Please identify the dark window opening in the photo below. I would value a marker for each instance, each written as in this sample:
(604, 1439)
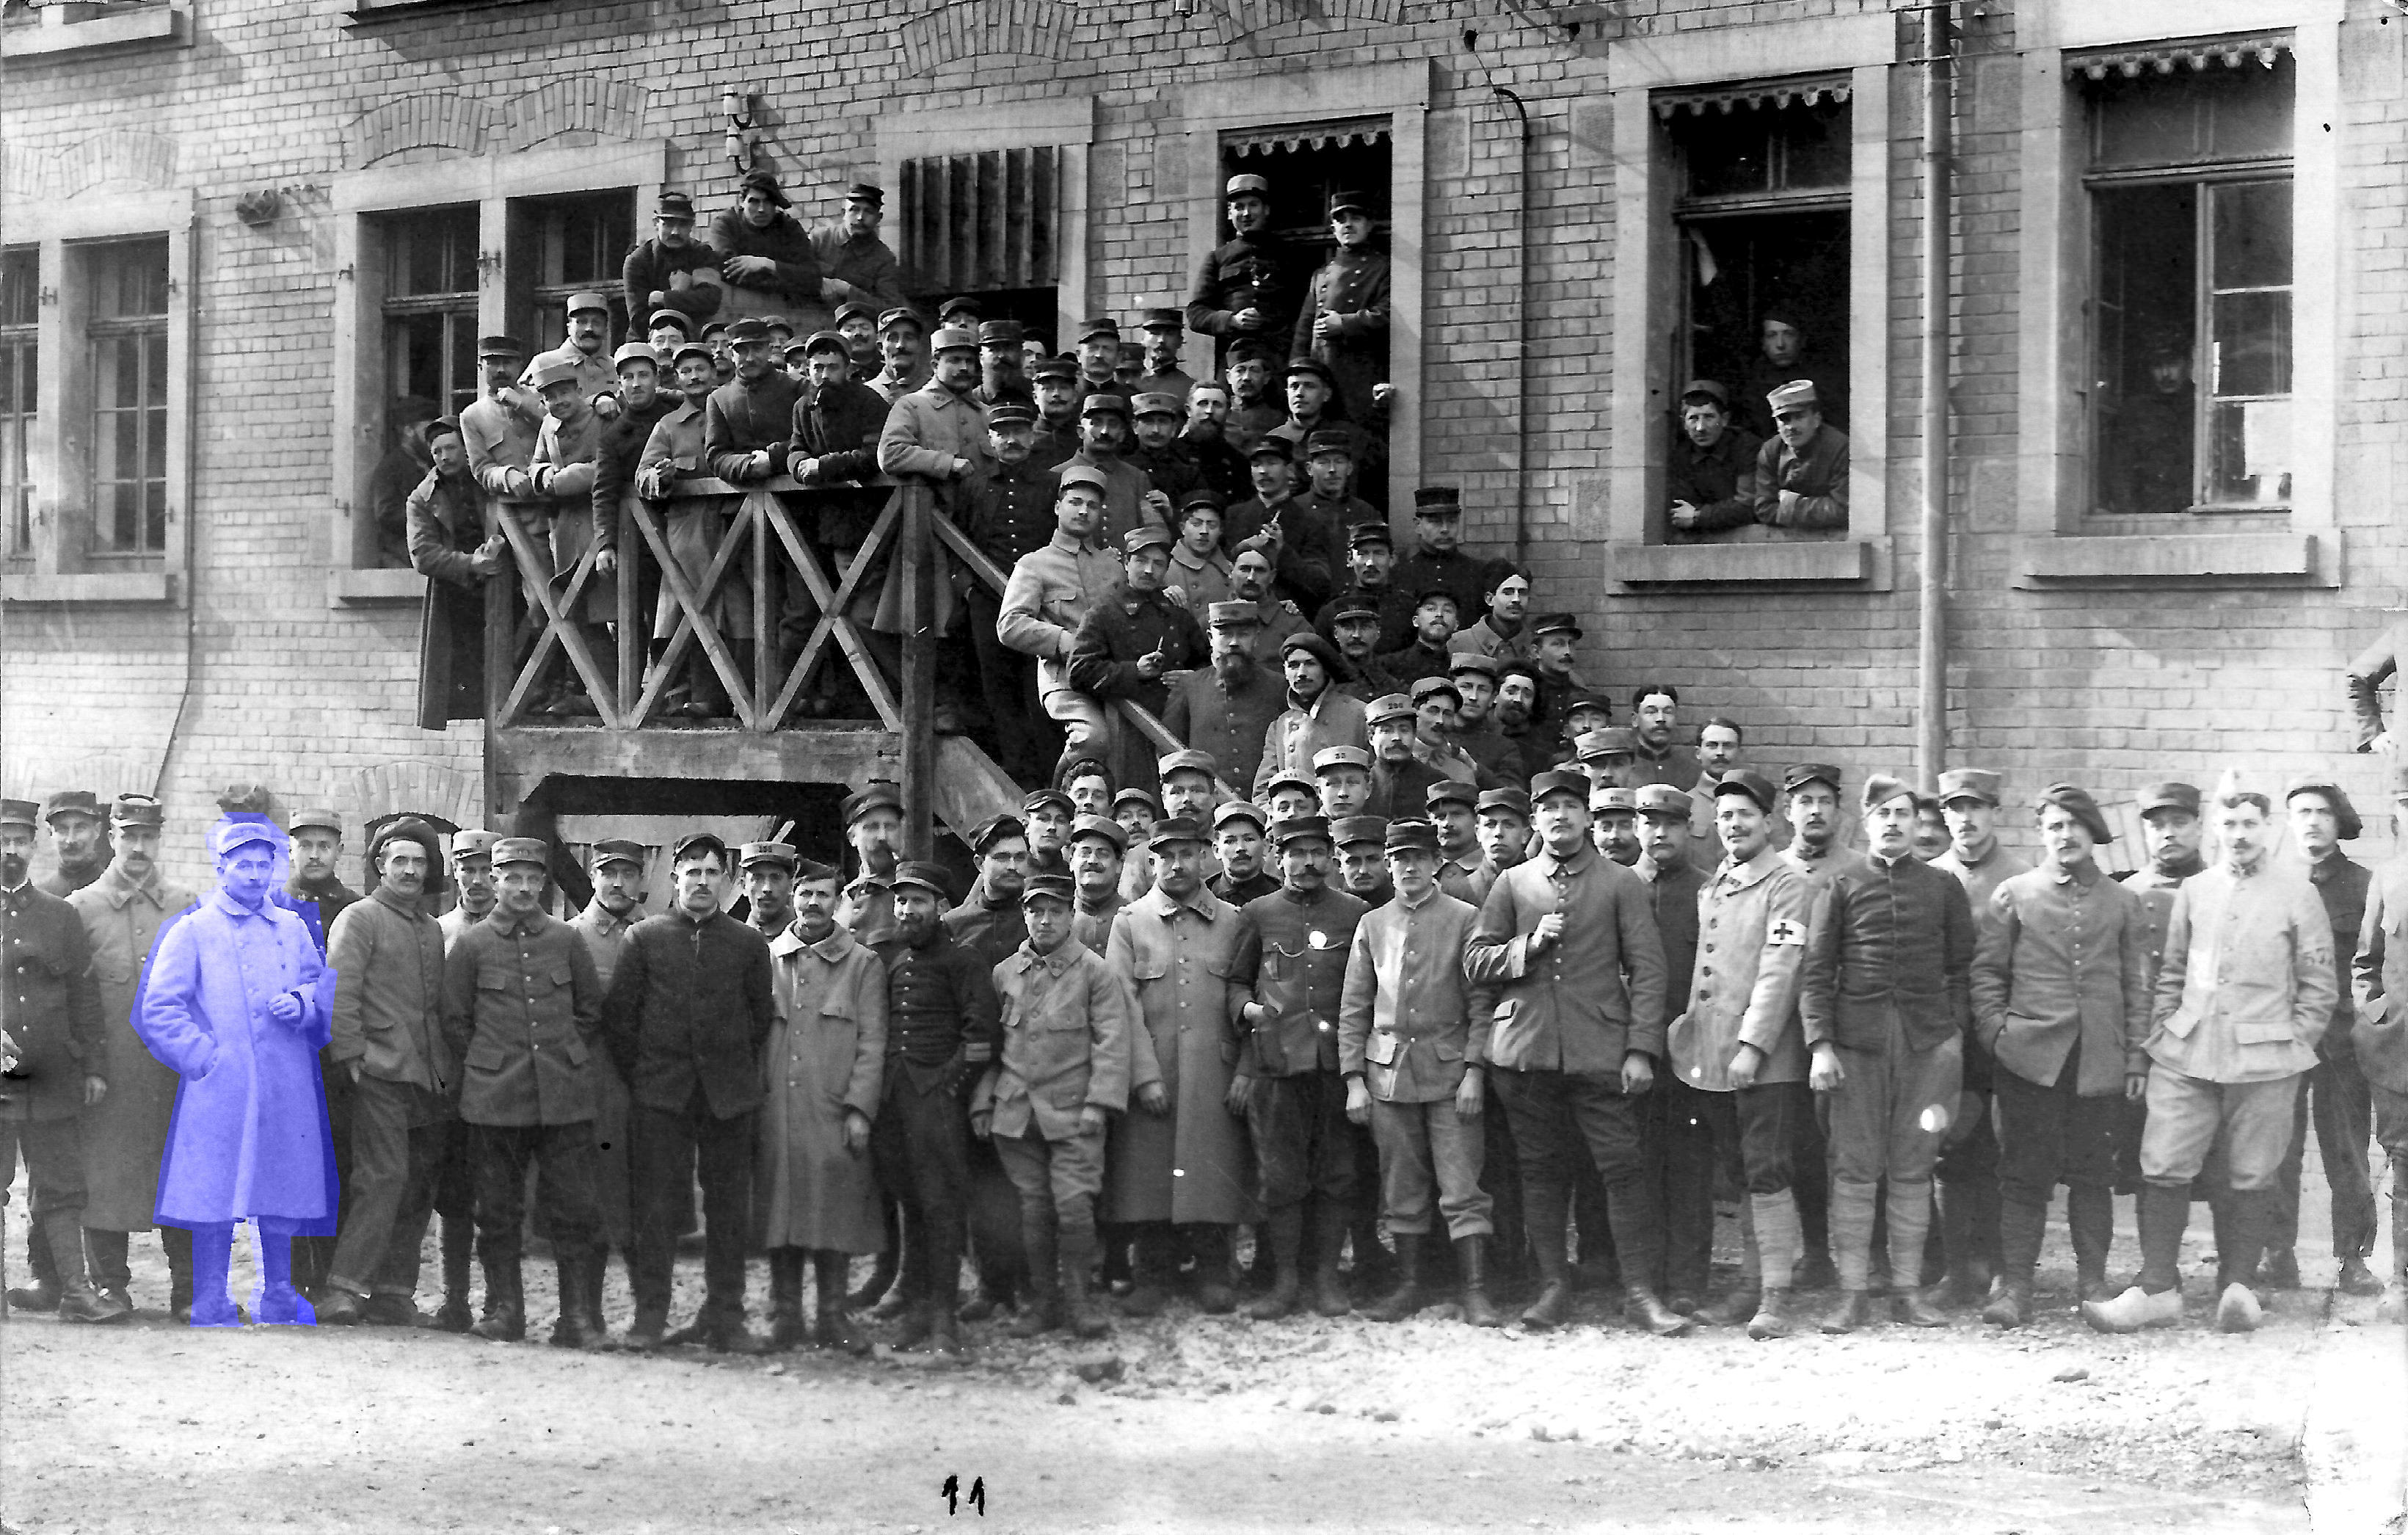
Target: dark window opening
(430, 307)
(984, 226)
(19, 390)
(564, 246)
(126, 331)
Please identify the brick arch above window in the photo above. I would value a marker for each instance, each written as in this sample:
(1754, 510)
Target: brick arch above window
(427, 118)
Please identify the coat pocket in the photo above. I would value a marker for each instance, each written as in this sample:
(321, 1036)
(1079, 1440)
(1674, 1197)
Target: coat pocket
(2264, 1031)
(487, 1053)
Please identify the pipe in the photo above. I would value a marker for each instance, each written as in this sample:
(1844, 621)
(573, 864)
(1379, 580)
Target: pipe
(1521, 341)
(1932, 614)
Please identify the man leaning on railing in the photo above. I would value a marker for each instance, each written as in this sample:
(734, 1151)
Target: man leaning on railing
(691, 527)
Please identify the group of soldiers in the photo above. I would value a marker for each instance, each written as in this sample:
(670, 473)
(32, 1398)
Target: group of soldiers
(1167, 1014)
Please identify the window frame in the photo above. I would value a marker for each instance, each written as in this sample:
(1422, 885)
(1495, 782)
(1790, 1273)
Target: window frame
(54, 31)
(16, 481)
(65, 566)
(2059, 541)
(100, 330)
(501, 186)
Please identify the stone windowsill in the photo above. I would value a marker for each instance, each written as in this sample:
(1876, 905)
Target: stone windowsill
(153, 586)
(1859, 562)
(374, 588)
(376, 10)
(53, 30)
(2178, 557)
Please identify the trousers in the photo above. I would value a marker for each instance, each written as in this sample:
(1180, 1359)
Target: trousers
(1425, 1149)
(920, 1143)
(1303, 1141)
(669, 1149)
(2335, 1099)
(397, 1134)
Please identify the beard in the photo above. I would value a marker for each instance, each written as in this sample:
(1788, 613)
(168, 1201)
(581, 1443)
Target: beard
(1229, 666)
(12, 868)
(1512, 716)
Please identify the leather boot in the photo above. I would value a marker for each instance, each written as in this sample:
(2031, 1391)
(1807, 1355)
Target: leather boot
(2011, 1302)
(1643, 1308)
(880, 1285)
(2090, 1218)
(1471, 1262)
(1214, 1295)
(1328, 1229)
(459, 1237)
(505, 1318)
(1080, 1313)
(1374, 1271)
(1855, 1310)
(212, 1257)
(944, 1332)
(573, 1329)
(78, 1300)
(1284, 1229)
(1041, 1308)
(1735, 1309)
(279, 1304)
(2021, 1228)
(1772, 1318)
(836, 1329)
(176, 1243)
(1406, 1298)
(1543, 1213)
(589, 1296)
(44, 1293)
(786, 1325)
(1909, 1207)
(1149, 1272)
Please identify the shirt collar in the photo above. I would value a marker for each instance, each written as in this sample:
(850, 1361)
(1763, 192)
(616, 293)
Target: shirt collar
(2329, 868)
(405, 905)
(1579, 863)
(1064, 954)
(1755, 871)
(1203, 903)
(2086, 877)
(227, 906)
(509, 926)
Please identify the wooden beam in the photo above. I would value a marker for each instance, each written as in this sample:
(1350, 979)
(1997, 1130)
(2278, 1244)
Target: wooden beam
(919, 672)
(806, 754)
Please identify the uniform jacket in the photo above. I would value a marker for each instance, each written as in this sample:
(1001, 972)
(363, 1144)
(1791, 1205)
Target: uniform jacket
(1467, 878)
(1353, 282)
(690, 1009)
(866, 263)
(2059, 961)
(1120, 629)
(1310, 562)
(1301, 977)
(1582, 1002)
(1202, 579)
(677, 439)
(836, 426)
(1677, 766)
(990, 930)
(2247, 985)
(387, 957)
(522, 1002)
(1251, 272)
(564, 473)
(792, 284)
(1408, 1022)
(1751, 927)
(1672, 895)
(1171, 469)
(2341, 882)
(125, 1132)
(1091, 923)
(1066, 1027)
(396, 474)
(499, 432)
(1249, 423)
(930, 428)
(249, 1135)
(745, 416)
(1415, 659)
(1277, 620)
(2157, 891)
(619, 448)
(1008, 512)
(1048, 596)
(1481, 638)
(1458, 572)
(1719, 481)
(2379, 972)
(1227, 721)
(1219, 465)
(446, 524)
(1399, 791)
(648, 269)
(1890, 943)
(1125, 488)
(51, 1006)
(940, 1002)
(826, 1055)
(595, 376)
(1820, 475)
(1368, 437)
(1332, 719)
(1982, 877)
(1392, 603)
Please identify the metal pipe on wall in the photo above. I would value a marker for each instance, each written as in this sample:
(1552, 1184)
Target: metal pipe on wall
(1931, 606)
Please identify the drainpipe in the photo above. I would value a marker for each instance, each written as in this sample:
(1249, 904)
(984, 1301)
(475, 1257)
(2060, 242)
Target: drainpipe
(1932, 615)
(1521, 341)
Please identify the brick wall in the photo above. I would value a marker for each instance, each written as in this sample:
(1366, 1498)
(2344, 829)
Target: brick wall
(263, 679)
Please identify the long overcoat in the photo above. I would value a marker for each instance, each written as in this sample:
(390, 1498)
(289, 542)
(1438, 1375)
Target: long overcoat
(125, 1132)
(827, 1053)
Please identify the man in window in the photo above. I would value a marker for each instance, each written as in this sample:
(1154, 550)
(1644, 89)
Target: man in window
(764, 254)
(1248, 286)
(1711, 473)
(588, 351)
(1782, 356)
(2150, 469)
(1802, 472)
(1343, 322)
(396, 474)
(855, 265)
(672, 270)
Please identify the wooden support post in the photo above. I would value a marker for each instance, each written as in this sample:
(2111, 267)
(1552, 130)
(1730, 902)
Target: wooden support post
(501, 650)
(765, 623)
(634, 628)
(919, 673)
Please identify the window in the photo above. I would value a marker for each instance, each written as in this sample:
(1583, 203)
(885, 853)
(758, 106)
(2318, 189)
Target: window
(126, 331)
(983, 225)
(20, 384)
(2189, 182)
(430, 306)
(569, 246)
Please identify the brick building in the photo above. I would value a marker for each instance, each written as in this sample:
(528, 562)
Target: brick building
(284, 220)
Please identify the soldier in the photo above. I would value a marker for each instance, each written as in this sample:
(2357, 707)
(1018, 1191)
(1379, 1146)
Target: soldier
(1658, 760)
(686, 1016)
(2378, 1036)
(1718, 753)
(1475, 734)
(1813, 807)
(1781, 358)
(1462, 869)
(643, 402)
(1401, 775)
(1710, 476)
(1049, 593)
(1133, 642)
(1252, 581)
(1343, 777)
(1885, 1005)
(1517, 717)
(1330, 467)
(2061, 989)
(1426, 654)
(1167, 466)
(1504, 830)
(1200, 571)
(79, 841)
(825, 1064)
(672, 272)
(857, 266)
(1362, 844)
(1248, 287)
(1055, 384)
(1098, 353)
(448, 545)
(766, 255)
(455, 1178)
(903, 346)
(1191, 958)
(1238, 833)
(1009, 515)
(1098, 848)
(1680, 1171)
(562, 472)
(1002, 366)
(616, 867)
(399, 1075)
(2244, 990)
(1412, 1049)
(1063, 1066)
(940, 1035)
(1343, 323)
(988, 922)
(1255, 410)
(1162, 376)
(1503, 634)
(1614, 823)
(1356, 629)
(587, 349)
(1225, 709)
(1317, 716)
(122, 914)
(1130, 498)
(318, 896)
(58, 1047)
(500, 428)
(1438, 562)
(1739, 1057)
(857, 323)
(1568, 940)
(1311, 391)
(1802, 472)
(1220, 463)
(1049, 815)
(1370, 562)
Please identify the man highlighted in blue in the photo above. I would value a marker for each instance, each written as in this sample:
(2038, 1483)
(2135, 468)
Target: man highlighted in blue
(239, 1004)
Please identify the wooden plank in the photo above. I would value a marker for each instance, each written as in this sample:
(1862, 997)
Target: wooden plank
(557, 629)
(811, 753)
(765, 626)
(693, 625)
(967, 552)
(970, 788)
(832, 622)
(918, 674)
(633, 626)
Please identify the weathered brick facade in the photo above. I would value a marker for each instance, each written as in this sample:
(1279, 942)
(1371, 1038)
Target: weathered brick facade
(258, 666)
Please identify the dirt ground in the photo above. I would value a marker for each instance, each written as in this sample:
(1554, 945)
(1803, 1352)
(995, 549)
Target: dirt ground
(1187, 1422)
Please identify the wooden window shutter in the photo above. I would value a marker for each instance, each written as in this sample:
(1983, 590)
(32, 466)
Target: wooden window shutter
(981, 223)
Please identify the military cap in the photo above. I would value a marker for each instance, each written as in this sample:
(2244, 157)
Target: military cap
(522, 850)
(1664, 800)
(1354, 612)
(994, 829)
(1000, 333)
(1547, 624)
(471, 843)
(1232, 615)
(1081, 474)
(1138, 797)
(1508, 802)
(683, 320)
(1098, 324)
(673, 204)
(1370, 533)
(963, 305)
(636, 352)
(2085, 809)
(1311, 366)
(1145, 536)
(1240, 810)
(1391, 706)
(1189, 761)
(1353, 831)
(1340, 201)
(713, 330)
(1611, 741)
(1330, 757)
(1239, 186)
(1299, 827)
(1436, 501)
(765, 182)
(240, 830)
(795, 352)
(588, 303)
(72, 802)
(1557, 780)
(2169, 796)
(1708, 388)
(862, 192)
(323, 820)
(1253, 349)
(1179, 828)
(1881, 788)
(1798, 393)
(1055, 367)
(854, 308)
(614, 850)
(1293, 778)
(1163, 320)
(1968, 783)
(1103, 402)
(693, 349)
(554, 373)
(18, 813)
(752, 327)
(2347, 826)
(1747, 782)
(902, 314)
(1412, 837)
(1463, 661)
(500, 346)
(954, 338)
(1804, 773)
(1424, 686)
(1103, 826)
(1614, 799)
(767, 853)
(878, 795)
(136, 811)
(1328, 440)
(1203, 496)
(1037, 799)
(917, 874)
(1314, 645)
(826, 340)
(1452, 792)
(442, 426)
(1048, 887)
(697, 843)
(1158, 405)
